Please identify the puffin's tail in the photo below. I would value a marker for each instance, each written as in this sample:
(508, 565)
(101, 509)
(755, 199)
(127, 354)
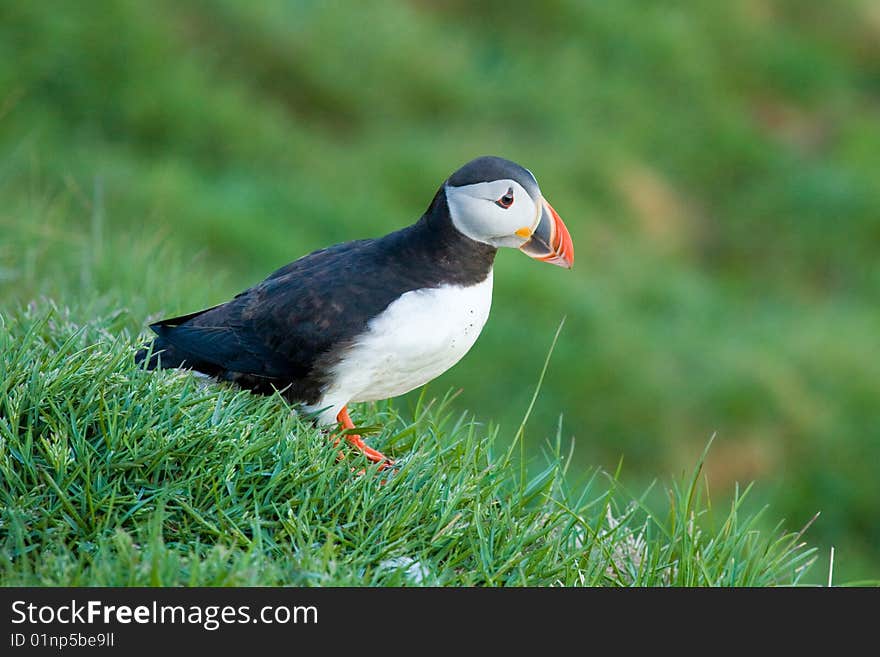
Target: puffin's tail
(162, 352)
(159, 354)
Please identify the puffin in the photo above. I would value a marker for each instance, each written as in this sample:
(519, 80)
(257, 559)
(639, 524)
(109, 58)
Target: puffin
(374, 318)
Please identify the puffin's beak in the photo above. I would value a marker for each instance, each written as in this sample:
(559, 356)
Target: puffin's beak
(550, 240)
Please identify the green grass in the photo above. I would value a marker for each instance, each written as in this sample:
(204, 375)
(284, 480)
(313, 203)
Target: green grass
(112, 475)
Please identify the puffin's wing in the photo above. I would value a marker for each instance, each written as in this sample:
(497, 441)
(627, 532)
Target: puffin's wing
(230, 347)
(279, 328)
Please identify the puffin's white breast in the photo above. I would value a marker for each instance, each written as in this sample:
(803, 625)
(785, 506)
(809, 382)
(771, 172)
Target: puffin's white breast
(415, 339)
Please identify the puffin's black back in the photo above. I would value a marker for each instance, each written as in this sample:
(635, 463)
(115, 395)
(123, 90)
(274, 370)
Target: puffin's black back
(285, 332)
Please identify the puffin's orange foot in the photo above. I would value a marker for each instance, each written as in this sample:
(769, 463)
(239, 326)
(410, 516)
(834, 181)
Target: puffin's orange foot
(373, 455)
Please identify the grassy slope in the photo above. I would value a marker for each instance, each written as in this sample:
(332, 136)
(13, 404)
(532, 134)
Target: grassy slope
(717, 167)
(112, 476)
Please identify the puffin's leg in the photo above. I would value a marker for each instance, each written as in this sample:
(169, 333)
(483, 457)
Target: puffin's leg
(372, 454)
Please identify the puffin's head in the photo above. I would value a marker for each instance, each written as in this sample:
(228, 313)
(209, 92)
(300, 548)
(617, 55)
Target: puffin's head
(498, 202)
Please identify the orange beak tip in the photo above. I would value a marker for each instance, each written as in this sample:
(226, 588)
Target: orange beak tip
(564, 247)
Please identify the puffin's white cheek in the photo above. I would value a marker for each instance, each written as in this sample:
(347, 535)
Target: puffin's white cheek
(513, 226)
(475, 212)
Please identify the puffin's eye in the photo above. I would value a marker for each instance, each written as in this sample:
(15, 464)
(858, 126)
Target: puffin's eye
(507, 200)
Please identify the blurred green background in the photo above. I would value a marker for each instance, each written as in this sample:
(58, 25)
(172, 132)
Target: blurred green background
(717, 163)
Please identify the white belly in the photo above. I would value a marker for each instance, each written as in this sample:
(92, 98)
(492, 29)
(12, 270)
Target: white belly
(417, 338)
